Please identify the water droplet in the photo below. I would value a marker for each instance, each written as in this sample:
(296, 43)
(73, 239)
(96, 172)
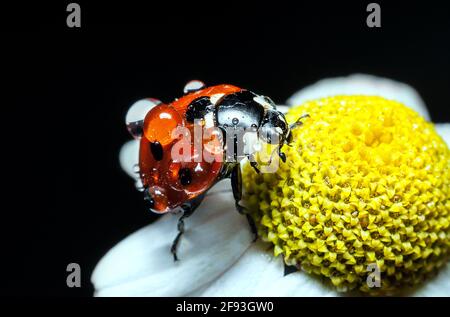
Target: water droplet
(198, 168)
(157, 196)
(193, 85)
(160, 122)
(139, 186)
(136, 114)
(235, 121)
(257, 146)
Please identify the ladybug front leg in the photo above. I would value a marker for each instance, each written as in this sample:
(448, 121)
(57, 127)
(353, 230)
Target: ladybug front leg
(188, 209)
(236, 185)
(281, 154)
(253, 163)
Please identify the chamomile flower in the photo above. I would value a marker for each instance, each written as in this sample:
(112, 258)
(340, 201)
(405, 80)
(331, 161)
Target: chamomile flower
(324, 229)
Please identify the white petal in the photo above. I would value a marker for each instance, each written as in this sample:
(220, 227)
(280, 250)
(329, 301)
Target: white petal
(259, 273)
(437, 286)
(142, 265)
(129, 157)
(361, 84)
(444, 131)
(283, 108)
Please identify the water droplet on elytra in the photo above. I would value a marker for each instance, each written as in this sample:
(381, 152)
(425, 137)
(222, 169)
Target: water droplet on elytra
(135, 116)
(139, 186)
(193, 85)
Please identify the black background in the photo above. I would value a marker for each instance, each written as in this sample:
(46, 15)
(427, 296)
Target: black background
(65, 198)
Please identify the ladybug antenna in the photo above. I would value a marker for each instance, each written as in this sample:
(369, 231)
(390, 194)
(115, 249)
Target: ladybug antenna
(299, 122)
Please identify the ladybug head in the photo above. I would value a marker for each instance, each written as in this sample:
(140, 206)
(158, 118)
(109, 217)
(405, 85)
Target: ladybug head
(274, 128)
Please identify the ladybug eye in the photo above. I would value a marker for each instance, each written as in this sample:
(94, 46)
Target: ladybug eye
(136, 114)
(159, 124)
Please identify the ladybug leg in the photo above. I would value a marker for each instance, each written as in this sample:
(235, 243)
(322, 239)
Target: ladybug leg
(180, 227)
(188, 209)
(253, 163)
(282, 155)
(236, 184)
(288, 269)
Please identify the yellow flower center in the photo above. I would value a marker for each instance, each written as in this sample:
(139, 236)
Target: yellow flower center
(366, 182)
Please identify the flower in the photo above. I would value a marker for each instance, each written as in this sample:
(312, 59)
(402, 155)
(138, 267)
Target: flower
(217, 256)
(367, 182)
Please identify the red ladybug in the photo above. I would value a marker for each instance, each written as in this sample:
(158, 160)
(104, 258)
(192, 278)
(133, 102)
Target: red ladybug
(190, 144)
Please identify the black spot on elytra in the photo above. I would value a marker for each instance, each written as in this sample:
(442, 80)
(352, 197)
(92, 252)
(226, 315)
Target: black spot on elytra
(185, 176)
(198, 108)
(157, 150)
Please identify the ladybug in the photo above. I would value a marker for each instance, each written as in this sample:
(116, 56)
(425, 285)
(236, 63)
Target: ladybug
(190, 144)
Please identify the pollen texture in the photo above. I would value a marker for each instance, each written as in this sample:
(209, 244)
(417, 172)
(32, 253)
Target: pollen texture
(366, 187)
